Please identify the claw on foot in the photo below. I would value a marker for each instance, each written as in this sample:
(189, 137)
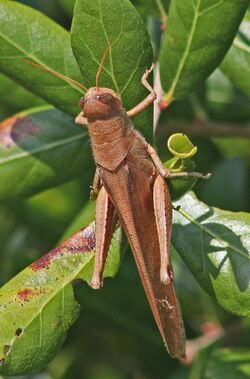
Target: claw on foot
(147, 72)
(165, 278)
(206, 176)
(96, 282)
(93, 193)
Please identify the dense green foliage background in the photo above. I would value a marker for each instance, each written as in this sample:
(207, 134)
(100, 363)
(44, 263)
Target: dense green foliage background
(46, 169)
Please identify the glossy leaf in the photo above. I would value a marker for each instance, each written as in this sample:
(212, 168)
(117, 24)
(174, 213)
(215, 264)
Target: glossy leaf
(38, 305)
(39, 150)
(27, 33)
(95, 25)
(236, 64)
(198, 35)
(215, 245)
(15, 98)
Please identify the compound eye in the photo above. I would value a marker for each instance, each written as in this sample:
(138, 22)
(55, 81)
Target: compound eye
(82, 102)
(108, 97)
(105, 98)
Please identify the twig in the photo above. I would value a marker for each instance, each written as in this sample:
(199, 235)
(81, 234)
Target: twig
(159, 92)
(207, 129)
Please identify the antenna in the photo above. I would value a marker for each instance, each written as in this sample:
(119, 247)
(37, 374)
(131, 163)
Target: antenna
(54, 73)
(105, 55)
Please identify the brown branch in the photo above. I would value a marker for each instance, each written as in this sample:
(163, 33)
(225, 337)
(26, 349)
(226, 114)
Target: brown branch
(207, 129)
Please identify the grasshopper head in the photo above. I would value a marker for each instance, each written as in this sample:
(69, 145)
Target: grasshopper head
(99, 103)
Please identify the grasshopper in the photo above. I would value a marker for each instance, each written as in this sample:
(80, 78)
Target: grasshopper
(130, 184)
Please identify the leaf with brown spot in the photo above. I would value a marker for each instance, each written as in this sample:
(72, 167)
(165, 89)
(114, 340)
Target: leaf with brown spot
(41, 296)
(35, 146)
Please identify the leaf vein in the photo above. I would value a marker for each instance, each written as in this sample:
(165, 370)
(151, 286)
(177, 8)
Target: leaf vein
(132, 75)
(41, 149)
(184, 57)
(31, 56)
(212, 7)
(110, 53)
(212, 234)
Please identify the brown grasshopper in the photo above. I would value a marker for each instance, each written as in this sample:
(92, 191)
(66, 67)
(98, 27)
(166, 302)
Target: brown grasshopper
(131, 188)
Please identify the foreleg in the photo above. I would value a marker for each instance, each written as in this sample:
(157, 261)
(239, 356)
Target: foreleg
(96, 186)
(81, 120)
(149, 99)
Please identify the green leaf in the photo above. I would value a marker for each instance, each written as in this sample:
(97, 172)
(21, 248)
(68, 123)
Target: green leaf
(38, 305)
(182, 149)
(27, 33)
(199, 33)
(95, 25)
(181, 146)
(17, 99)
(228, 364)
(39, 150)
(236, 64)
(215, 245)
